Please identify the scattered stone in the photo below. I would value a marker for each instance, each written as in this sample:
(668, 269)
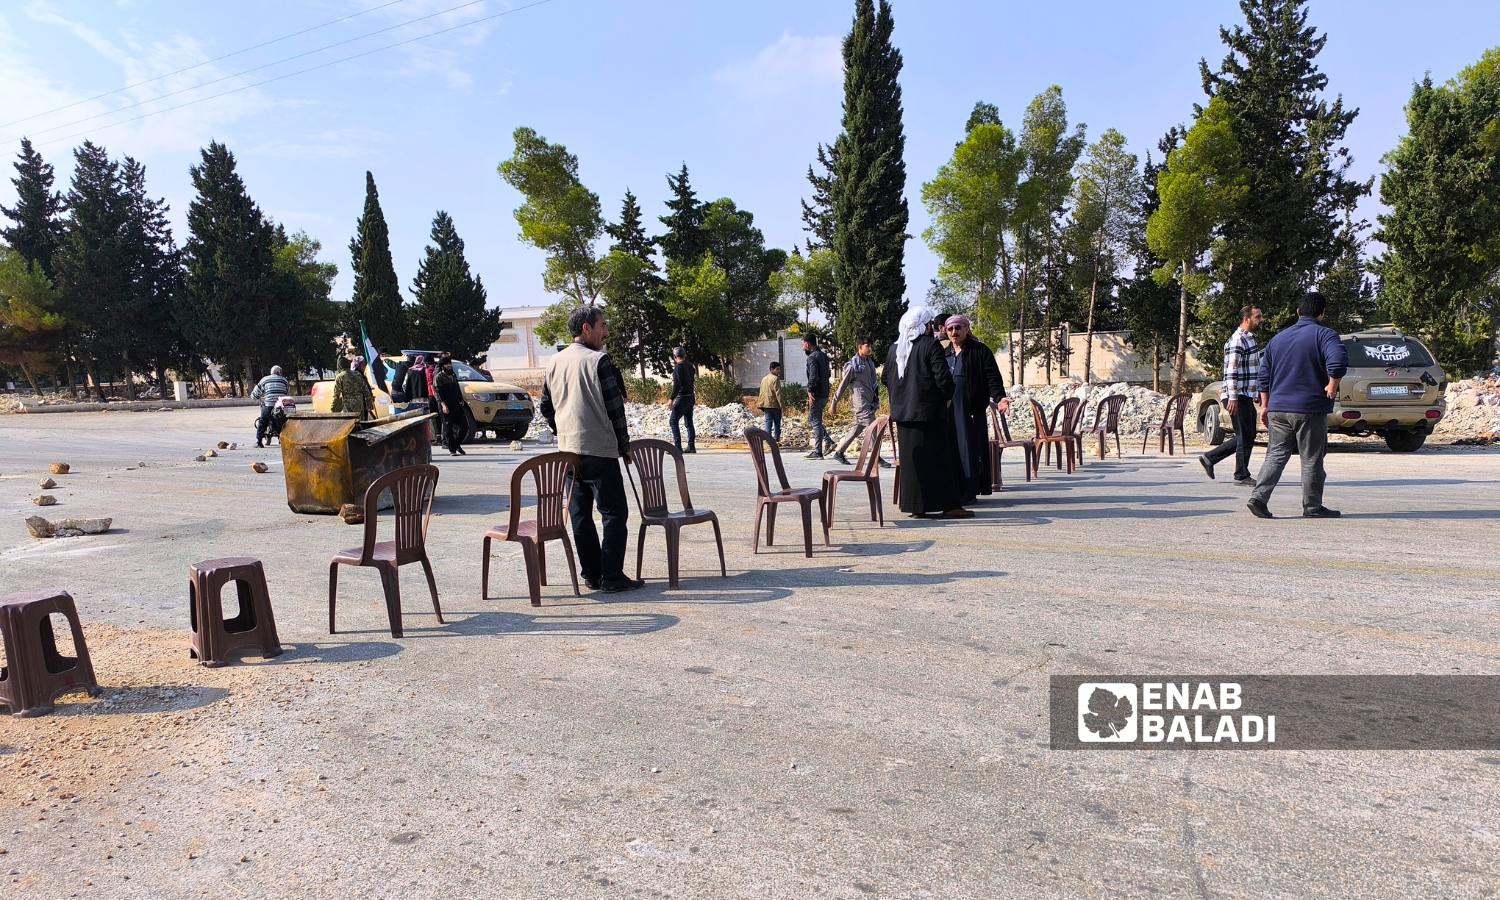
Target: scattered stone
(222, 445)
(352, 514)
(41, 528)
(47, 484)
(260, 467)
(140, 465)
(44, 500)
(59, 468)
(200, 458)
(515, 445)
(210, 452)
(233, 446)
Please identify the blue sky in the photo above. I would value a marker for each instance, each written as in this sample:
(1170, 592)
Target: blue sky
(741, 92)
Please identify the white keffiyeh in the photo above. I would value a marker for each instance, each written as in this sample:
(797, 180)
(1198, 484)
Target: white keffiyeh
(913, 325)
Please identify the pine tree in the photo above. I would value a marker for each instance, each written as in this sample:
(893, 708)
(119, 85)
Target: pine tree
(817, 215)
(94, 272)
(230, 260)
(869, 202)
(37, 216)
(683, 240)
(450, 313)
(1285, 235)
(640, 329)
(376, 300)
(157, 322)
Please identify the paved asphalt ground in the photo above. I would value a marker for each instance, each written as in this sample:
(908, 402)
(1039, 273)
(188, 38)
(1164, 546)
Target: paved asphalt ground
(870, 722)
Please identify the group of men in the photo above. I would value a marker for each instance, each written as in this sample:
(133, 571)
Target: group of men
(1294, 382)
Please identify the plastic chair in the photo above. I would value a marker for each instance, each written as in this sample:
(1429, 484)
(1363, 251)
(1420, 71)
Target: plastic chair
(648, 457)
(1000, 441)
(1045, 437)
(412, 489)
(1169, 427)
(1107, 422)
(552, 475)
(767, 498)
(866, 469)
(1067, 420)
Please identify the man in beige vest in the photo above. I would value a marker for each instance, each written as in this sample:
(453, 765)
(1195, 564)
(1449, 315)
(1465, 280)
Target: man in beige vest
(583, 400)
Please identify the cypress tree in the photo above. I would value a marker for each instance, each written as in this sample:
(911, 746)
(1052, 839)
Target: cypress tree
(1286, 234)
(869, 203)
(450, 313)
(230, 259)
(684, 241)
(377, 293)
(37, 216)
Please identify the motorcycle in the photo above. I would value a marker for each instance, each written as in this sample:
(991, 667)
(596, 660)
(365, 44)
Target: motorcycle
(279, 412)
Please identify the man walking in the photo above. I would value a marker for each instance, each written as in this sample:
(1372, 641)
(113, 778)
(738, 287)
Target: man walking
(270, 389)
(682, 399)
(1299, 378)
(770, 401)
(1241, 369)
(583, 400)
(858, 380)
(817, 395)
(450, 398)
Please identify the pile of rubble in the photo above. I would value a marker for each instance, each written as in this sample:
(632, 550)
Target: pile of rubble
(1142, 405)
(711, 424)
(1473, 414)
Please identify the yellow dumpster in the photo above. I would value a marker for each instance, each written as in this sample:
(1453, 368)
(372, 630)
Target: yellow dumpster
(331, 458)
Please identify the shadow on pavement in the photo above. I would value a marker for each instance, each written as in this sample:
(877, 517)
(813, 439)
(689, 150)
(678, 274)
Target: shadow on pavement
(331, 652)
(566, 625)
(139, 700)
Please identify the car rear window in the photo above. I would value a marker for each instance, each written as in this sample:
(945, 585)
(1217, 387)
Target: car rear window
(1375, 352)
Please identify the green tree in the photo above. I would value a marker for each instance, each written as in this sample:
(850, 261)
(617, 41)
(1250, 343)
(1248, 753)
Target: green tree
(37, 217)
(560, 217)
(639, 326)
(806, 280)
(817, 216)
(1200, 189)
(869, 202)
(1285, 234)
(1350, 292)
(94, 266)
(1104, 206)
(29, 321)
(451, 311)
(158, 322)
(230, 259)
(307, 318)
(973, 203)
(1440, 272)
(1051, 152)
(1149, 308)
(754, 309)
(376, 299)
(683, 239)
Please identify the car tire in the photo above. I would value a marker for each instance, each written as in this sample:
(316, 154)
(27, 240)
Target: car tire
(1405, 441)
(1209, 425)
(473, 423)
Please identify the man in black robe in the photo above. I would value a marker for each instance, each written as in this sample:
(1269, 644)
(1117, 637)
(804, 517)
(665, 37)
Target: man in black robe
(920, 386)
(976, 385)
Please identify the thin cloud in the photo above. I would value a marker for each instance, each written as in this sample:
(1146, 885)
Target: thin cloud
(790, 65)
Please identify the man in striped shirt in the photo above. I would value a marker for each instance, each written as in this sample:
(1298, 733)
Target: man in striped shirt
(1241, 364)
(270, 389)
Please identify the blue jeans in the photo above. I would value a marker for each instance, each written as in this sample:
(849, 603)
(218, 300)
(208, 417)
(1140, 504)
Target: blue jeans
(818, 435)
(773, 423)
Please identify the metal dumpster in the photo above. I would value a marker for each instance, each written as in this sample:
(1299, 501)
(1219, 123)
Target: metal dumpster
(331, 458)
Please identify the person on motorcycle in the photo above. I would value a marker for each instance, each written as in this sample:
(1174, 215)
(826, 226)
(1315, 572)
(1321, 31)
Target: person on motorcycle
(270, 389)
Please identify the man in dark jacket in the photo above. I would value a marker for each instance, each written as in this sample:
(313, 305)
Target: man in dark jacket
(450, 397)
(817, 395)
(1299, 378)
(682, 399)
(976, 385)
(920, 386)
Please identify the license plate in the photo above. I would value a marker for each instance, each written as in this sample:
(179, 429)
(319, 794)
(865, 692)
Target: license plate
(516, 404)
(1389, 390)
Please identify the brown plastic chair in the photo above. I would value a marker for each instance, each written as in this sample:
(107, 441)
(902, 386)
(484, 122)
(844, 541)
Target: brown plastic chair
(866, 469)
(648, 457)
(412, 489)
(216, 639)
(896, 461)
(35, 673)
(1000, 441)
(1169, 427)
(552, 476)
(1067, 420)
(1107, 422)
(767, 498)
(1046, 438)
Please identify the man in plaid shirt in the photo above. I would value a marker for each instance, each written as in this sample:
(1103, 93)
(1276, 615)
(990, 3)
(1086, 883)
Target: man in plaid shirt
(1241, 363)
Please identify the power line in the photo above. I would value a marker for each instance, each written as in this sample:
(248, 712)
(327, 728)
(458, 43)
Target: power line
(285, 37)
(286, 75)
(258, 68)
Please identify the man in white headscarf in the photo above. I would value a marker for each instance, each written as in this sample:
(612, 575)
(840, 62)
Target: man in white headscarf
(920, 386)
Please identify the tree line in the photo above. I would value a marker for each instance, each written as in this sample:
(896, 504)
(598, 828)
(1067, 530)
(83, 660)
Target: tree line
(94, 289)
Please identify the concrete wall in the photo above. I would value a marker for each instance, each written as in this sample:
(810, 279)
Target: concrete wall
(753, 364)
(1113, 360)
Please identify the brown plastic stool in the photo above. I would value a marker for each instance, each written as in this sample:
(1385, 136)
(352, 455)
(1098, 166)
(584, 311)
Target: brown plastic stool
(215, 638)
(35, 673)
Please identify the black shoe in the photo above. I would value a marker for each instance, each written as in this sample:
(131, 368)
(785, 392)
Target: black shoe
(813, 455)
(1245, 482)
(591, 583)
(884, 464)
(1321, 512)
(259, 445)
(1259, 509)
(621, 584)
(452, 452)
(691, 449)
(1208, 467)
(842, 459)
(462, 451)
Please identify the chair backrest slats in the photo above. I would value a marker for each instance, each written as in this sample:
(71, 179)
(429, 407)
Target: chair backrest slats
(552, 476)
(759, 440)
(869, 451)
(648, 456)
(1039, 419)
(1107, 413)
(1181, 402)
(412, 489)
